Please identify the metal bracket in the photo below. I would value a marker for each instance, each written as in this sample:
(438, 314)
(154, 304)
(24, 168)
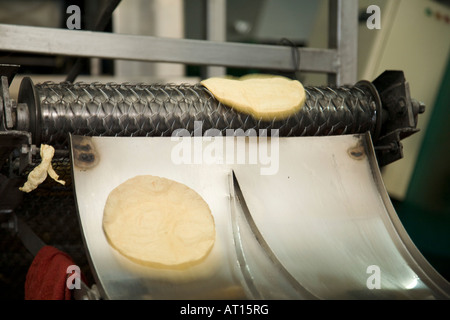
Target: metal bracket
(13, 140)
(399, 115)
(8, 103)
(86, 293)
(7, 73)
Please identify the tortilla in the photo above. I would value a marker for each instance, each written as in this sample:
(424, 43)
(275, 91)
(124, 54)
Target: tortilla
(158, 222)
(264, 97)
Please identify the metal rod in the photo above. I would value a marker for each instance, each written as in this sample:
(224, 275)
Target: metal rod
(81, 43)
(343, 36)
(216, 29)
(29, 239)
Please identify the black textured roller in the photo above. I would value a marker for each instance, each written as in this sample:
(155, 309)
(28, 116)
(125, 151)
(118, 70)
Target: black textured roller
(57, 109)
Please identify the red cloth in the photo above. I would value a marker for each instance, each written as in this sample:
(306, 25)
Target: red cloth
(47, 276)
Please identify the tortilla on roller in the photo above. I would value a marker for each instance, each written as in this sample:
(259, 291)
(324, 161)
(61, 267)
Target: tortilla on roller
(263, 96)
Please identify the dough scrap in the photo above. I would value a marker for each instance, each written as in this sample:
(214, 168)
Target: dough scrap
(266, 97)
(158, 222)
(39, 173)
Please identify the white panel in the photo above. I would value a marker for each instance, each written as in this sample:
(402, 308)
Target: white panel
(419, 44)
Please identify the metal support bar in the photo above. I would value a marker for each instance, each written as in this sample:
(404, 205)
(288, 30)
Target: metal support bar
(30, 240)
(339, 61)
(53, 41)
(216, 29)
(7, 102)
(343, 36)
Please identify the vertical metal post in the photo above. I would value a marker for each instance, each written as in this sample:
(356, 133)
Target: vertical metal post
(216, 30)
(343, 36)
(95, 66)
